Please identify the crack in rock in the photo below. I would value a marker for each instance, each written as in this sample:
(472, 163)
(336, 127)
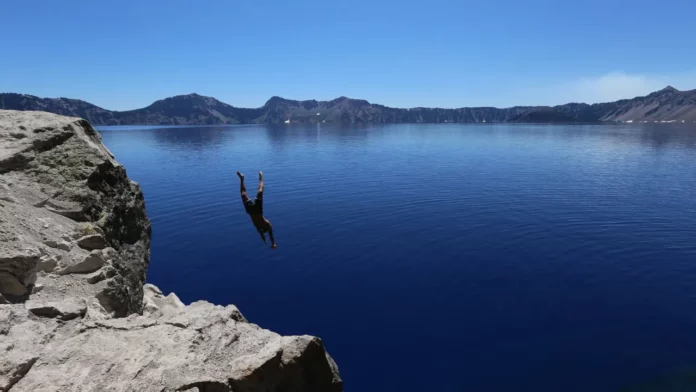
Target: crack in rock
(8, 381)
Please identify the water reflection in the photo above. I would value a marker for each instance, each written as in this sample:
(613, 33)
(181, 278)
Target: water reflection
(659, 136)
(197, 138)
(313, 132)
(194, 138)
(282, 136)
(279, 135)
(655, 136)
(648, 135)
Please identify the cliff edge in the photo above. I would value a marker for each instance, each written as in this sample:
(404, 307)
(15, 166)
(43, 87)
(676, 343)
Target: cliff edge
(75, 312)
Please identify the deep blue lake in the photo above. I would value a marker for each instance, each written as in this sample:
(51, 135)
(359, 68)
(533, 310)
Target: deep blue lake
(439, 257)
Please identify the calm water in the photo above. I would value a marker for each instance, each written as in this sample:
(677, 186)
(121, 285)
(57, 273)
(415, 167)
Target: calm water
(439, 257)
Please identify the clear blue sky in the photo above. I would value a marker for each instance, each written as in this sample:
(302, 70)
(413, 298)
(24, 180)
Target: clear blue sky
(125, 54)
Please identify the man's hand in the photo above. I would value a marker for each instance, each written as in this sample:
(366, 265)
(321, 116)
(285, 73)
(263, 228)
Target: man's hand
(240, 175)
(260, 175)
(274, 246)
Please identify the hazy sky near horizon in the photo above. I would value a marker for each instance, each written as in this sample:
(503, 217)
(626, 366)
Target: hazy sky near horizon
(126, 54)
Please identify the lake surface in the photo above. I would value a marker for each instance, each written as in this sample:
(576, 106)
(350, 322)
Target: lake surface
(439, 257)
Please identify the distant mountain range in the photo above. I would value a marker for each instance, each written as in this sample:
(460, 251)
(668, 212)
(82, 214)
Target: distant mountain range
(668, 104)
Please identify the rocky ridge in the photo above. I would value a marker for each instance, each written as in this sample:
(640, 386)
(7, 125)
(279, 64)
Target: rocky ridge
(75, 312)
(668, 104)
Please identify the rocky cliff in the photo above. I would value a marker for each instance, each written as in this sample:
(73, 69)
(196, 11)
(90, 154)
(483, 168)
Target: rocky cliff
(668, 104)
(75, 312)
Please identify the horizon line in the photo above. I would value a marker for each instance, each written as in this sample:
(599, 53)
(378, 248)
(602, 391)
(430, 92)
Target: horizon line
(356, 99)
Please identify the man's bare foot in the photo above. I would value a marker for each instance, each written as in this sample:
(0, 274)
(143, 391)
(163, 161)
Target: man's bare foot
(240, 175)
(260, 175)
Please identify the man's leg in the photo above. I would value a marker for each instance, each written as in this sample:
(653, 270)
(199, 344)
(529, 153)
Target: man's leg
(259, 195)
(270, 234)
(260, 183)
(263, 236)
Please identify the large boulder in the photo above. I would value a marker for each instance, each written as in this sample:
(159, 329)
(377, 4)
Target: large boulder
(75, 312)
(202, 345)
(60, 177)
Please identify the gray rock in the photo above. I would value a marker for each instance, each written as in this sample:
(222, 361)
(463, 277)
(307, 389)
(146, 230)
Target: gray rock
(51, 243)
(21, 341)
(102, 274)
(8, 198)
(10, 285)
(150, 290)
(95, 311)
(17, 267)
(203, 346)
(155, 301)
(37, 288)
(12, 370)
(109, 254)
(92, 242)
(64, 245)
(76, 215)
(90, 263)
(64, 310)
(61, 173)
(48, 263)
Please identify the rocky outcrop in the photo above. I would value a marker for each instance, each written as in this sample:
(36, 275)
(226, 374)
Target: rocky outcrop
(200, 346)
(65, 195)
(668, 104)
(75, 312)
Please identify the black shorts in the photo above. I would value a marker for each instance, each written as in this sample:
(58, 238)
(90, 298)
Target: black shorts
(255, 206)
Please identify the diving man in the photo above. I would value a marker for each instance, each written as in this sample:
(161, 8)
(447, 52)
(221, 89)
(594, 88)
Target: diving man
(255, 210)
